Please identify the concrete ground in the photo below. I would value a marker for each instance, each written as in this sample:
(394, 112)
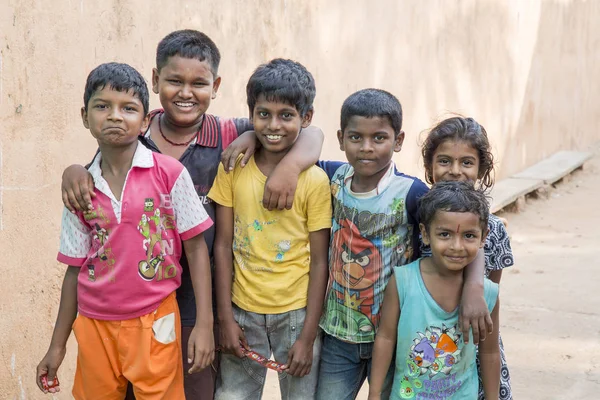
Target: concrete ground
(550, 314)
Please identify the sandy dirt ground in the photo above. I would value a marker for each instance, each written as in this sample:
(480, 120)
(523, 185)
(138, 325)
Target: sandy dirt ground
(550, 318)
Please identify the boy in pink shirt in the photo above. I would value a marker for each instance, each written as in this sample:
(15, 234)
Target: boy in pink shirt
(123, 257)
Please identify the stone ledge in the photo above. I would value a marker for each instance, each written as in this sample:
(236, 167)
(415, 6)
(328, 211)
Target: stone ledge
(555, 167)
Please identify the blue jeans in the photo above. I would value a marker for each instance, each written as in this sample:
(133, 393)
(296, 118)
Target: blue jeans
(242, 378)
(344, 368)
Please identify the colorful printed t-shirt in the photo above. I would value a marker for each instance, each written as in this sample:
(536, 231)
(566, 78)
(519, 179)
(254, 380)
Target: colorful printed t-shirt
(201, 159)
(271, 254)
(129, 249)
(371, 234)
(432, 359)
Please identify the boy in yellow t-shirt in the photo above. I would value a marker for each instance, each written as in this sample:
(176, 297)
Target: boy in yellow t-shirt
(278, 259)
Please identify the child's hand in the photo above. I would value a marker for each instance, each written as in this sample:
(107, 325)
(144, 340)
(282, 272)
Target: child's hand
(474, 314)
(300, 358)
(77, 188)
(246, 144)
(280, 189)
(230, 338)
(48, 366)
(201, 348)
(373, 396)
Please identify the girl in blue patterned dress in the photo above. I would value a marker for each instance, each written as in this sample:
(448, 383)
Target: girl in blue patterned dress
(457, 149)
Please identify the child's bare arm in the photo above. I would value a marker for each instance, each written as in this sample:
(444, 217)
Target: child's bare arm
(473, 309)
(67, 312)
(496, 276)
(300, 355)
(489, 359)
(77, 188)
(385, 340)
(244, 144)
(230, 332)
(281, 184)
(201, 346)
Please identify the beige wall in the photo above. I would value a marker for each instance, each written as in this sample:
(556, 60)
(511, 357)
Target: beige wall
(527, 70)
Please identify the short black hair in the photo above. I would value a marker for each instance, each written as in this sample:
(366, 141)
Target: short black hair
(454, 196)
(461, 129)
(188, 43)
(371, 103)
(282, 80)
(119, 77)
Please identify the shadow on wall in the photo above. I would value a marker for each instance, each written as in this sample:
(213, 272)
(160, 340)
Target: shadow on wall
(562, 87)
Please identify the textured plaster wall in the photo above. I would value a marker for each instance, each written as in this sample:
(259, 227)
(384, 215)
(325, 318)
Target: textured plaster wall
(527, 70)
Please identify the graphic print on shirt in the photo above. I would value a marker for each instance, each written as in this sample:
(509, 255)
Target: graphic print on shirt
(153, 227)
(354, 269)
(244, 234)
(102, 261)
(433, 355)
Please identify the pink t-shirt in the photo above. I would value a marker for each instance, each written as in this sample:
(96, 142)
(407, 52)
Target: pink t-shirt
(129, 250)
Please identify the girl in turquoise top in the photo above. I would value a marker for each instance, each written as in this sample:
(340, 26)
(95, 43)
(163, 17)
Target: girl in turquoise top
(420, 307)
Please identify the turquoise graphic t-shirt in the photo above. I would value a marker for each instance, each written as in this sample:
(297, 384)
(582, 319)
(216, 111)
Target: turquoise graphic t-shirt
(371, 233)
(432, 359)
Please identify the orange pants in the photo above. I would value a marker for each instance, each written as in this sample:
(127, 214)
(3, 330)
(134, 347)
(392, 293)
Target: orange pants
(145, 351)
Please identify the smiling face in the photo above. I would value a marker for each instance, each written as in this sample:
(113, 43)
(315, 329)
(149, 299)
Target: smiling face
(277, 124)
(369, 144)
(185, 87)
(455, 238)
(114, 118)
(455, 160)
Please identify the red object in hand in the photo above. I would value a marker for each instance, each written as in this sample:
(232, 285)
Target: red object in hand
(265, 362)
(49, 385)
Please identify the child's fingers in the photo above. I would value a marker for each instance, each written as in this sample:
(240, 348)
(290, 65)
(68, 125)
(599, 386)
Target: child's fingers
(247, 154)
(289, 201)
(66, 202)
(191, 353)
(282, 202)
(83, 197)
(465, 324)
(489, 323)
(475, 330)
(40, 371)
(91, 186)
(72, 196)
(267, 199)
(482, 328)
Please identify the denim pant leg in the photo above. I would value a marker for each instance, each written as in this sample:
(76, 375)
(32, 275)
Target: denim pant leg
(284, 329)
(343, 369)
(242, 378)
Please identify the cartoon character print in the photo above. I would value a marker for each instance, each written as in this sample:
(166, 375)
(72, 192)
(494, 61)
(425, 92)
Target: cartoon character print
(355, 267)
(152, 228)
(433, 353)
(102, 257)
(282, 247)
(99, 237)
(436, 351)
(346, 318)
(91, 273)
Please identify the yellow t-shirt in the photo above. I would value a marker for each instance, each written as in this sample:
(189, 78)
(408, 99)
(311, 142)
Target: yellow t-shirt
(271, 253)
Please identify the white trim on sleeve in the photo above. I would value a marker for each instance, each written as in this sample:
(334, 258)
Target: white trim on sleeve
(75, 238)
(189, 211)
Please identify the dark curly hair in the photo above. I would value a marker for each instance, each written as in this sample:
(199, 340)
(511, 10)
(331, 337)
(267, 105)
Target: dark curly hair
(461, 129)
(454, 196)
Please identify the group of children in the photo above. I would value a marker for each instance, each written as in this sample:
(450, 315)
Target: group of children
(342, 271)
